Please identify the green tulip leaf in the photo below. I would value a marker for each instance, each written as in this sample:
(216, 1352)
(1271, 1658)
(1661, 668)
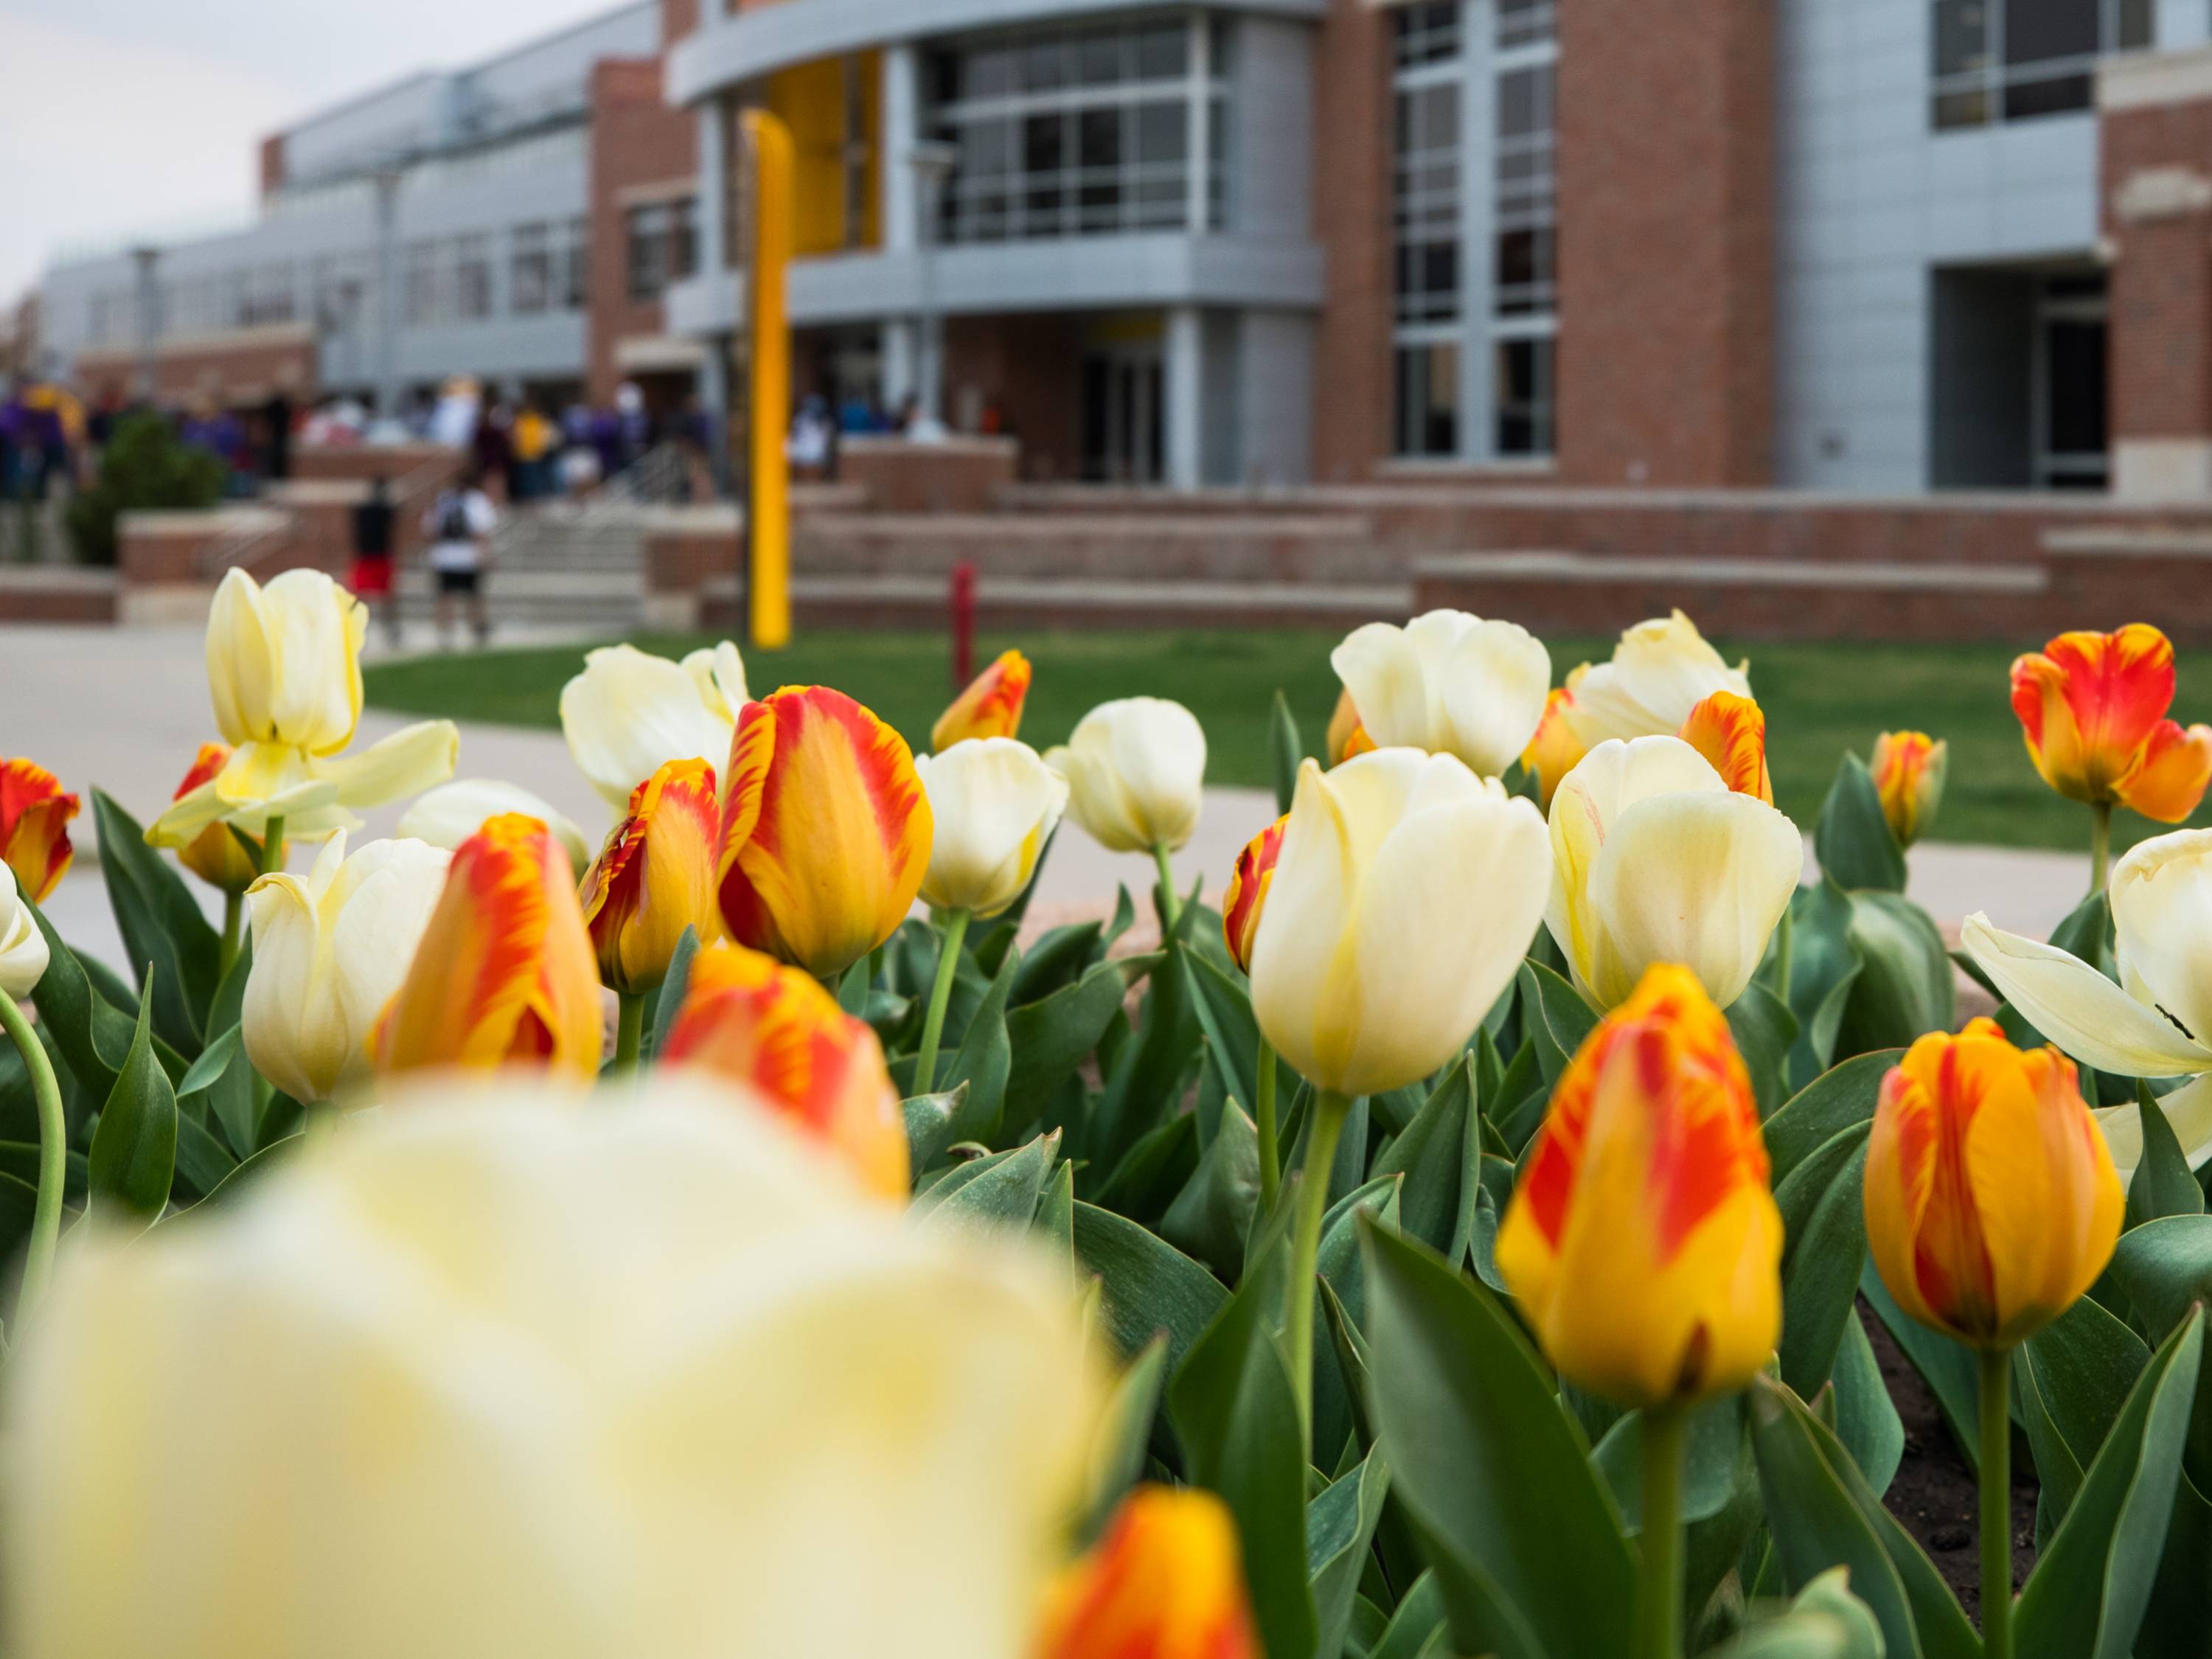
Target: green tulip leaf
(1223, 1006)
(1117, 1454)
(1237, 1420)
(18, 1201)
(1057, 960)
(1824, 1230)
(1826, 1622)
(2088, 1593)
(1340, 1525)
(1049, 1038)
(668, 1000)
(985, 1057)
(1558, 1019)
(1945, 1366)
(1852, 839)
(1213, 1213)
(1055, 1213)
(172, 947)
(92, 1034)
(1821, 1514)
(1417, 1626)
(1143, 1083)
(1714, 1432)
(1145, 1181)
(2175, 1625)
(1823, 964)
(1440, 1154)
(202, 1164)
(2083, 1365)
(133, 1160)
(1866, 1416)
(2164, 1184)
(1906, 987)
(1522, 1534)
(1148, 1286)
(936, 1121)
(1286, 749)
(1832, 1102)
(2162, 1267)
(1002, 1191)
(1764, 1029)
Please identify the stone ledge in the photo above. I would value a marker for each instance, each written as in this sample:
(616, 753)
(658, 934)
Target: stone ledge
(1590, 569)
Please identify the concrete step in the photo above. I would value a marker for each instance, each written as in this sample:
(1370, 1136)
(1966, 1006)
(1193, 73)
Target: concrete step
(1244, 547)
(917, 601)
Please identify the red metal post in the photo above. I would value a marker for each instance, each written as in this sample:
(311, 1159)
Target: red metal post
(963, 623)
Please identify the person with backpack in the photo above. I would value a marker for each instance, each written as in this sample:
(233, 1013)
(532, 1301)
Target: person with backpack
(459, 525)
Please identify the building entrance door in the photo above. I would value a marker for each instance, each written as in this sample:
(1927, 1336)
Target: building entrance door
(2072, 443)
(1124, 414)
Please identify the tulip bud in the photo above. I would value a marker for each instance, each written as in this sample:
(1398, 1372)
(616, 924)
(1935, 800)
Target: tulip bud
(504, 970)
(1642, 1242)
(1166, 1582)
(748, 1018)
(1659, 861)
(1136, 772)
(1555, 750)
(994, 805)
(1346, 735)
(1908, 774)
(1730, 732)
(1247, 897)
(655, 877)
(284, 660)
(329, 950)
(629, 711)
(34, 815)
(2092, 709)
(214, 855)
(1450, 684)
(826, 830)
(991, 706)
(448, 815)
(1404, 896)
(1991, 1202)
(1660, 670)
(23, 953)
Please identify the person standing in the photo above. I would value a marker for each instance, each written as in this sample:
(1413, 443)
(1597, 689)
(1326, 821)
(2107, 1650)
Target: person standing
(459, 525)
(371, 580)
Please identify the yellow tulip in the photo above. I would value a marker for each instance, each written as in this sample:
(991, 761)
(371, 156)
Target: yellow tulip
(1405, 894)
(23, 953)
(1136, 772)
(1555, 750)
(994, 805)
(1656, 860)
(2092, 709)
(1659, 672)
(516, 1372)
(1908, 769)
(629, 711)
(655, 877)
(214, 854)
(1246, 901)
(1642, 1242)
(1991, 1203)
(34, 817)
(990, 706)
(448, 815)
(1448, 683)
(1166, 1582)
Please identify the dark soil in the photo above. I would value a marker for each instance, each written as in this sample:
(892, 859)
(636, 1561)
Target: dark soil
(1933, 1496)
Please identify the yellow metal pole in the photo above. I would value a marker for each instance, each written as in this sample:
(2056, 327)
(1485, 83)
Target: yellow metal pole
(768, 512)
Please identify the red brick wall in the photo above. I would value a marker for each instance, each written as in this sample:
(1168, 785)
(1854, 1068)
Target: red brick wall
(1352, 221)
(1666, 164)
(677, 19)
(272, 162)
(243, 367)
(636, 139)
(1031, 367)
(2160, 275)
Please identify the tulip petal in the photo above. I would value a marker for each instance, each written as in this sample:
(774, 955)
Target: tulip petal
(1697, 878)
(2161, 893)
(407, 762)
(23, 952)
(719, 673)
(314, 629)
(1661, 670)
(1381, 668)
(994, 804)
(2078, 1008)
(1494, 690)
(629, 711)
(2171, 772)
(1303, 993)
(2189, 1112)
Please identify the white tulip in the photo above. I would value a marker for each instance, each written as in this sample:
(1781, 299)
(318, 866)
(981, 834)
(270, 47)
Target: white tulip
(574, 1379)
(995, 804)
(22, 946)
(1136, 774)
(448, 815)
(1447, 683)
(1405, 894)
(283, 666)
(1655, 860)
(2157, 1021)
(1660, 670)
(329, 948)
(628, 712)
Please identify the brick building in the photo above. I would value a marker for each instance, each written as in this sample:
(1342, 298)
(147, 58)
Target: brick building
(1874, 247)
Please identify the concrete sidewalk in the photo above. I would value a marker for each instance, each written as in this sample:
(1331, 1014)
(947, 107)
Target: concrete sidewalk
(127, 708)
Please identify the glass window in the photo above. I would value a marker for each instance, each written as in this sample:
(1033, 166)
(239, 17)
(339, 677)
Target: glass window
(1525, 22)
(1425, 399)
(529, 270)
(648, 252)
(1160, 131)
(1522, 390)
(2011, 60)
(1164, 52)
(576, 265)
(1427, 34)
(472, 277)
(422, 283)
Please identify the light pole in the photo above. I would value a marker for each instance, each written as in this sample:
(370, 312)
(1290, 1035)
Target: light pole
(148, 258)
(932, 165)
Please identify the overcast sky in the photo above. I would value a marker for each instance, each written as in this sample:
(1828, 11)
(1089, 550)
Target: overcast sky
(123, 116)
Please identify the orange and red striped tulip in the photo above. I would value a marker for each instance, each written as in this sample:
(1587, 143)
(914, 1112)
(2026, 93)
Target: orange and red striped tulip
(1166, 1582)
(214, 855)
(1347, 735)
(1730, 731)
(1555, 750)
(504, 973)
(1248, 889)
(2093, 707)
(1908, 774)
(826, 830)
(991, 706)
(655, 877)
(34, 815)
(748, 1016)
(1991, 1203)
(1643, 1242)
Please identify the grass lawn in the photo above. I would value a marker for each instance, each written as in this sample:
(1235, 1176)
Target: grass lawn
(1821, 700)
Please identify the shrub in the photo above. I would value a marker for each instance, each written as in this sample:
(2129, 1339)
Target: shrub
(146, 468)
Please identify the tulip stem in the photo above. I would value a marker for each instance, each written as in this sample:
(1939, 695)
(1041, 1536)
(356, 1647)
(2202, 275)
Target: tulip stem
(1263, 1119)
(1170, 904)
(53, 1154)
(1659, 1582)
(1996, 1500)
(1328, 1110)
(1782, 954)
(2100, 845)
(233, 908)
(940, 993)
(272, 844)
(630, 1029)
